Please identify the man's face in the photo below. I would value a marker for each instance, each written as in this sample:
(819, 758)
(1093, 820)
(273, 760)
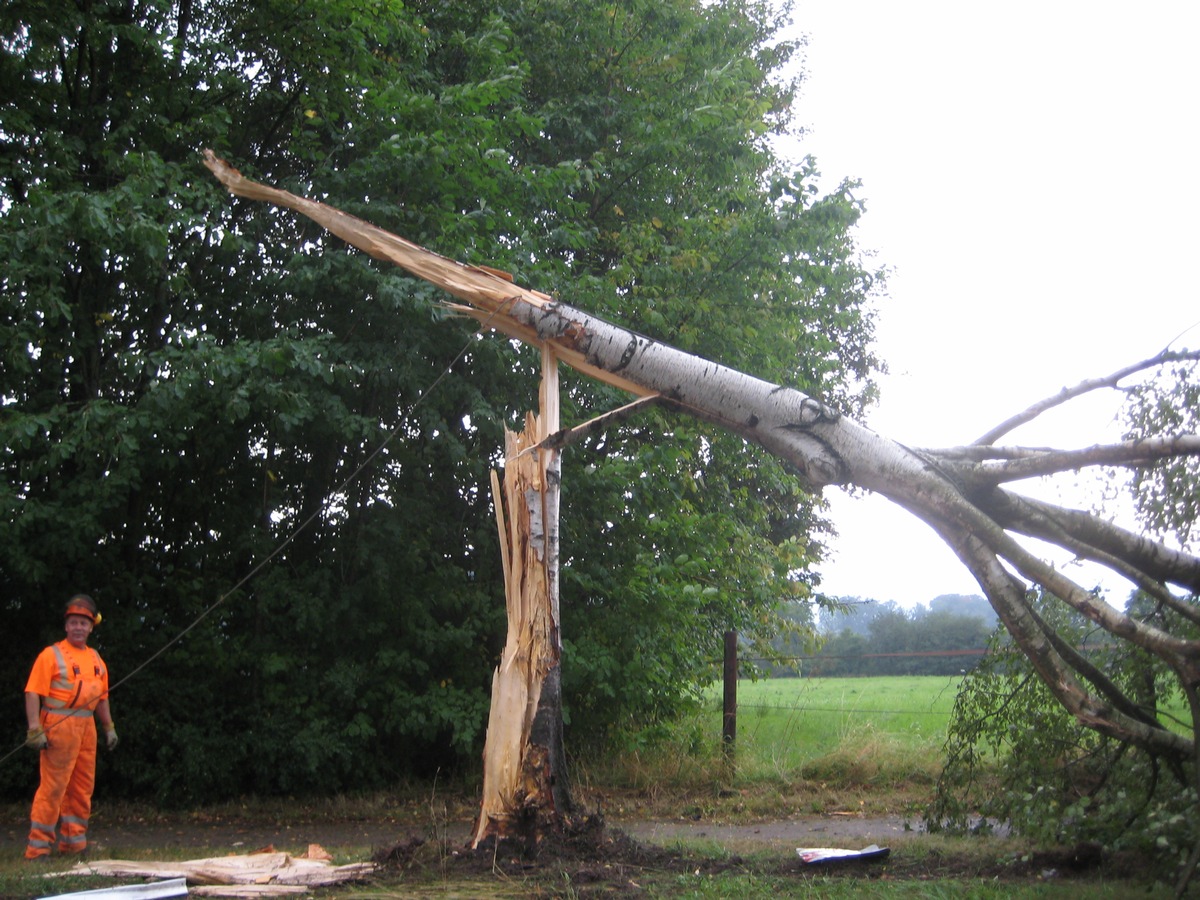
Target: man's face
(78, 629)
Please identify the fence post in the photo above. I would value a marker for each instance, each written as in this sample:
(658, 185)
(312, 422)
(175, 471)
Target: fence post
(729, 721)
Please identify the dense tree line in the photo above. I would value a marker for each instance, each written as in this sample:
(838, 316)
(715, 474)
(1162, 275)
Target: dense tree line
(216, 420)
(865, 637)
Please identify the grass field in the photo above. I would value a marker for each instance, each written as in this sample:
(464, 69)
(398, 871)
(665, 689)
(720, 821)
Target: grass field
(804, 741)
(804, 719)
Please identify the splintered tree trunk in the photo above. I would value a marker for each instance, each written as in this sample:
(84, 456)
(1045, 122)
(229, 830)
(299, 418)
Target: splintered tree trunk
(524, 786)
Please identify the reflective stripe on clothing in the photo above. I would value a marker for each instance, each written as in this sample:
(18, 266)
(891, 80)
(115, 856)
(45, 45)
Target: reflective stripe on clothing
(72, 834)
(63, 683)
(64, 796)
(68, 677)
(71, 682)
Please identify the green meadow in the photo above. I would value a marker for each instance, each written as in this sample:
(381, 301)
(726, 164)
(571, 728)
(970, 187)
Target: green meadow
(878, 738)
(799, 720)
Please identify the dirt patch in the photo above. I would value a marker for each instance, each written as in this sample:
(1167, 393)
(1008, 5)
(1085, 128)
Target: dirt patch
(594, 858)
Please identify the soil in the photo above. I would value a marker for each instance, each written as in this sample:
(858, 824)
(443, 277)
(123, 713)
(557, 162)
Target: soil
(597, 857)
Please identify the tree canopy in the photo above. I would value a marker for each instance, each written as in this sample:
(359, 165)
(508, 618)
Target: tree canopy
(185, 384)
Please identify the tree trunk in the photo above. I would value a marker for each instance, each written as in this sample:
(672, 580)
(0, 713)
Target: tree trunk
(525, 789)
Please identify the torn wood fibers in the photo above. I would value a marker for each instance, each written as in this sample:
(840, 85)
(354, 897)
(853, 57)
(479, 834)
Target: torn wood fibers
(524, 791)
(524, 787)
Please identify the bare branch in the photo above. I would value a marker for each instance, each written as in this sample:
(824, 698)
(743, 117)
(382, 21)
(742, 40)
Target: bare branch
(1047, 522)
(1084, 387)
(1053, 524)
(1149, 638)
(567, 436)
(1027, 463)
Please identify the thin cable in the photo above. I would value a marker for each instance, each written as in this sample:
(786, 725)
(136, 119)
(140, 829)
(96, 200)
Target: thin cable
(303, 526)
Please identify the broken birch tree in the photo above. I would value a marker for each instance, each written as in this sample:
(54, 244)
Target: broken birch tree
(961, 493)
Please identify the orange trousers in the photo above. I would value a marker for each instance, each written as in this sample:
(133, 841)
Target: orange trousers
(63, 802)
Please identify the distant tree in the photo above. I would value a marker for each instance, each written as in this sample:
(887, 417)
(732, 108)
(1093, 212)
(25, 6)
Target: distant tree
(891, 632)
(886, 639)
(796, 639)
(852, 613)
(841, 655)
(965, 605)
(944, 631)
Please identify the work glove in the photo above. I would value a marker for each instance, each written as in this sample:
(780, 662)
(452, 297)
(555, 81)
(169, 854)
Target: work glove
(110, 737)
(35, 739)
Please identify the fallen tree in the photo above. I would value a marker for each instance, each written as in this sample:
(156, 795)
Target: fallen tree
(962, 493)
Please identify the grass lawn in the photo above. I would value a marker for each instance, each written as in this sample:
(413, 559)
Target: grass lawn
(804, 719)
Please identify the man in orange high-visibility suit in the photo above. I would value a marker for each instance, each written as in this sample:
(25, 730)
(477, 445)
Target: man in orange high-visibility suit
(66, 692)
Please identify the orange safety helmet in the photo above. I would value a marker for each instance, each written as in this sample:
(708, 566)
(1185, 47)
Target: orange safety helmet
(82, 605)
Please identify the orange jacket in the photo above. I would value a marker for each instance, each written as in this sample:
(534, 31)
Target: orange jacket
(68, 678)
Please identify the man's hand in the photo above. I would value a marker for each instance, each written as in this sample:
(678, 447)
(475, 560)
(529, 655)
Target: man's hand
(35, 739)
(110, 737)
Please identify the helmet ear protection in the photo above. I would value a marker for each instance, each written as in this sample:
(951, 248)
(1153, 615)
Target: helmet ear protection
(82, 605)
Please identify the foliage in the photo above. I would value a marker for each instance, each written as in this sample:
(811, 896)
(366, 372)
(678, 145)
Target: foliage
(201, 401)
(1165, 493)
(1014, 755)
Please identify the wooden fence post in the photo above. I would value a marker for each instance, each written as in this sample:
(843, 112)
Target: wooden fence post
(729, 722)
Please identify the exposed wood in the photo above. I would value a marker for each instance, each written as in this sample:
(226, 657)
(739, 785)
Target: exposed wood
(489, 296)
(266, 874)
(565, 437)
(524, 778)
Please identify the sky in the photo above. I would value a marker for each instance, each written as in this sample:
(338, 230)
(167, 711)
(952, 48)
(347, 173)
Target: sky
(1031, 176)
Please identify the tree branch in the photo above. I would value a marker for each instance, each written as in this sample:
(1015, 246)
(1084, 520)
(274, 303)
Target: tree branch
(1018, 463)
(1084, 387)
(1150, 557)
(1048, 523)
(1008, 597)
(565, 437)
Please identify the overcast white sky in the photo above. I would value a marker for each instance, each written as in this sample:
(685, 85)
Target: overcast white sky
(1032, 177)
